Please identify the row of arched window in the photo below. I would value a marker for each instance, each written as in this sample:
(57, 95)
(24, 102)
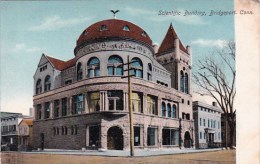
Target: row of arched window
(184, 82)
(114, 67)
(169, 110)
(47, 84)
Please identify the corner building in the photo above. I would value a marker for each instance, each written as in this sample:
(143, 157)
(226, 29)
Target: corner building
(83, 102)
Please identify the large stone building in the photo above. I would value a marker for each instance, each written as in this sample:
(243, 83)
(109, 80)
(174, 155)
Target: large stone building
(82, 102)
(207, 122)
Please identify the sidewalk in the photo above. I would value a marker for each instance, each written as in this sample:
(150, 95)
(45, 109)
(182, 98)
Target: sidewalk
(123, 153)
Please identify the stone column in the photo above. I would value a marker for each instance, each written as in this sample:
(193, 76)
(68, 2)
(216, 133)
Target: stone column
(103, 137)
(86, 103)
(145, 103)
(159, 107)
(105, 101)
(159, 144)
(35, 112)
(87, 135)
(70, 105)
(51, 109)
(142, 136)
(145, 135)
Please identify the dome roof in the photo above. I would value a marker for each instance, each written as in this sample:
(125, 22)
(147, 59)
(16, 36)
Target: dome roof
(113, 28)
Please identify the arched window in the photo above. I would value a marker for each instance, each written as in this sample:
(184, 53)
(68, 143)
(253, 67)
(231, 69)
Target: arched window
(182, 82)
(115, 66)
(93, 67)
(149, 72)
(79, 71)
(163, 109)
(174, 111)
(169, 110)
(47, 83)
(186, 83)
(138, 66)
(39, 86)
(126, 28)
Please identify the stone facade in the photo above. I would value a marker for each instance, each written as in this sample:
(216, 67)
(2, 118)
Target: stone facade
(86, 104)
(207, 122)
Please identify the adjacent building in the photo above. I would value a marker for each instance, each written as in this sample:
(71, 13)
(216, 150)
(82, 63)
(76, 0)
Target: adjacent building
(207, 123)
(9, 130)
(83, 102)
(25, 128)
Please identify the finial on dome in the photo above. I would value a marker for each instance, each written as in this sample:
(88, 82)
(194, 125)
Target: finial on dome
(114, 12)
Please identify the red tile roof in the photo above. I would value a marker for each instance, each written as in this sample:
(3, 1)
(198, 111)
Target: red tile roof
(61, 65)
(114, 30)
(168, 41)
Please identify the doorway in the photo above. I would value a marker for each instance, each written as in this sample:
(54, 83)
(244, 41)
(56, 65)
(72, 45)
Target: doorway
(187, 140)
(42, 141)
(115, 140)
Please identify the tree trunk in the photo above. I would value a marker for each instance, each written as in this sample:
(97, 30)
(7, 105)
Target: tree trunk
(231, 133)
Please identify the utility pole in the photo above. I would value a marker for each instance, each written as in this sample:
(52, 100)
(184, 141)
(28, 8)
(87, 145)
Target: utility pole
(130, 105)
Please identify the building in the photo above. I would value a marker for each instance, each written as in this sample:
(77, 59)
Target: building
(83, 102)
(25, 128)
(207, 123)
(9, 130)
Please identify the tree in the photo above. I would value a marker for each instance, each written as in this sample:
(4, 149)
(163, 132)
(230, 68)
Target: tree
(215, 76)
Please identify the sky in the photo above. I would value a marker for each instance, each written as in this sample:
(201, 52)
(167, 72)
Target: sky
(30, 28)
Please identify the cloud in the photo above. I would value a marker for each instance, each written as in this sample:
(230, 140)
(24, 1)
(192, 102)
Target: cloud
(21, 47)
(209, 42)
(55, 22)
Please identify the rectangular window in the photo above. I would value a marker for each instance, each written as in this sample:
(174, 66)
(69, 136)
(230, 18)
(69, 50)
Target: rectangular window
(39, 111)
(211, 124)
(218, 125)
(208, 123)
(47, 110)
(151, 136)
(137, 99)
(94, 136)
(152, 105)
(94, 101)
(64, 106)
(188, 116)
(77, 104)
(200, 135)
(200, 121)
(170, 136)
(204, 122)
(115, 100)
(56, 108)
(137, 136)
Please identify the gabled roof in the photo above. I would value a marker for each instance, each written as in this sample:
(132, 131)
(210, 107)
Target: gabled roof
(61, 65)
(26, 122)
(168, 41)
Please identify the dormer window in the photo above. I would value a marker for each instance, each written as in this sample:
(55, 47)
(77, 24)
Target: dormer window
(103, 27)
(144, 34)
(126, 28)
(85, 32)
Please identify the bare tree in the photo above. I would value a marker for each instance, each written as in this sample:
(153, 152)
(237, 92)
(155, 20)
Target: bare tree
(215, 76)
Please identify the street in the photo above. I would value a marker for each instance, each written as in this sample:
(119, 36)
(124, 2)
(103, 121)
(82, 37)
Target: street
(215, 157)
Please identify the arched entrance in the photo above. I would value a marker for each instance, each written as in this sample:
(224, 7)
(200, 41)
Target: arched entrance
(187, 140)
(115, 139)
